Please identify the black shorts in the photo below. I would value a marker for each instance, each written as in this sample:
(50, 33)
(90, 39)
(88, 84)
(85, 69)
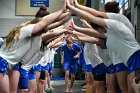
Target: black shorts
(42, 75)
(101, 77)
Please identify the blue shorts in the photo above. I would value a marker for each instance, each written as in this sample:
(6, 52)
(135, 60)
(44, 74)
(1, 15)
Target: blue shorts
(71, 67)
(111, 69)
(48, 66)
(44, 68)
(3, 66)
(17, 67)
(32, 74)
(99, 70)
(134, 62)
(51, 69)
(120, 67)
(84, 67)
(23, 81)
(38, 68)
(88, 68)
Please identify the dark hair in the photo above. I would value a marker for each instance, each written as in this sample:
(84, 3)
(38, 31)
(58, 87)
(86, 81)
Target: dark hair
(95, 26)
(42, 12)
(69, 41)
(112, 7)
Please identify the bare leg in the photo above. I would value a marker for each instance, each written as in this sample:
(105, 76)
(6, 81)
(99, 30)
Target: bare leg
(122, 80)
(100, 86)
(72, 82)
(111, 83)
(41, 85)
(67, 80)
(13, 80)
(32, 86)
(37, 80)
(90, 83)
(4, 84)
(136, 85)
(23, 91)
(130, 80)
(48, 79)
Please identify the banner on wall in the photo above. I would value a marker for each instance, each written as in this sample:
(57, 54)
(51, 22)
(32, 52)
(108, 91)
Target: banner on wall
(38, 3)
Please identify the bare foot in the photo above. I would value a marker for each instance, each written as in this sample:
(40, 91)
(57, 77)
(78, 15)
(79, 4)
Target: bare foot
(67, 90)
(71, 90)
(51, 88)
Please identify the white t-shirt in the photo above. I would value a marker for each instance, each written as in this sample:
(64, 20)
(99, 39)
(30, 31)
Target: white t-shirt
(121, 18)
(52, 54)
(33, 61)
(104, 56)
(115, 59)
(29, 59)
(46, 58)
(14, 54)
(123, 42)
(91, 54)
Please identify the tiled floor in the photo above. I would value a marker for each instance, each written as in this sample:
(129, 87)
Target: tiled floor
(59, 86)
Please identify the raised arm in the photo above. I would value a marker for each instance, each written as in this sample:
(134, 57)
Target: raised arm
(90, 10)
(62, 57)
(59, 22)
(47, 20)
(58, 44)
(85, 15)
(51, 44)
(54, 33)
(85, 38)
(64, 15)
(89, 39)
(88, 31)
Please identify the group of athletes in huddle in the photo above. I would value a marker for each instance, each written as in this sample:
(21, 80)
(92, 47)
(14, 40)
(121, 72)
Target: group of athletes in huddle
(110, 51)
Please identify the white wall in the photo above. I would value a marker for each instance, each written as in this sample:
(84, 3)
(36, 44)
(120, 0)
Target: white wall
(8, 19)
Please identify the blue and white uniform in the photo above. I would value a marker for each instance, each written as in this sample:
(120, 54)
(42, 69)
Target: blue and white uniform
(69, 62)
(123, 44)
(117, 61)
(107, 60)
(27, 69)
(15, 53)
(92, 57)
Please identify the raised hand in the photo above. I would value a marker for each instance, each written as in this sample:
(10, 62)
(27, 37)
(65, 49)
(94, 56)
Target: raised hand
(72, 24)
(75, 36)
(85, 23)
(68, 25)
(64, 7)
(68, 3)
(75, 3)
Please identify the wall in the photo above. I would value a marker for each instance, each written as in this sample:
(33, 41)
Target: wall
(8, 18)
(23, 7)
